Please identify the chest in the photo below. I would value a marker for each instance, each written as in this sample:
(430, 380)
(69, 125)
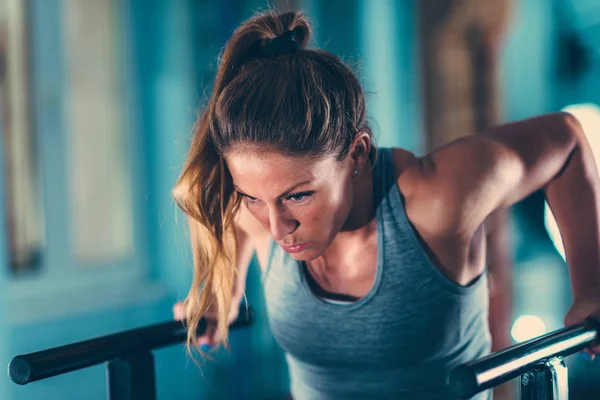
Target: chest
(349, 275)
(379, 332)
(461, 261)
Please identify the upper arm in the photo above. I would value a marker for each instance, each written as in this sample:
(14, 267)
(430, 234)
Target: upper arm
(249, 233)
(465, 181)
(247, 229)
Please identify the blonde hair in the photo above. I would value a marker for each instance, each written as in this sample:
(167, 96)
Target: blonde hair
(303, 102)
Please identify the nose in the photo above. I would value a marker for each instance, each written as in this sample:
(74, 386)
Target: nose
(281, 225)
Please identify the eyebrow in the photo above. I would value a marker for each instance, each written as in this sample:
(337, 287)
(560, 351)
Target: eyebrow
(284, 194)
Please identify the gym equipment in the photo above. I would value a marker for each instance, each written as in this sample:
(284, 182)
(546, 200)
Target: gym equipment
(539, 362)
(128, 354)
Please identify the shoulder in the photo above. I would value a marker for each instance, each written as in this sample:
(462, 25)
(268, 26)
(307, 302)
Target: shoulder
(425, 196)
(406, 168)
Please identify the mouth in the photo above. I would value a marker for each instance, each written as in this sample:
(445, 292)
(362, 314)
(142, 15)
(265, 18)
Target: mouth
(296, 248)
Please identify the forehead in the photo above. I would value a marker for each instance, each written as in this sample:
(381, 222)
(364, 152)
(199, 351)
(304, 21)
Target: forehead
(273, 170)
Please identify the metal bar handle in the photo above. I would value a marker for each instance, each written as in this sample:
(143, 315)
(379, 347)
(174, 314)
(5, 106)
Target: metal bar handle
(44, 364)
(495, 369)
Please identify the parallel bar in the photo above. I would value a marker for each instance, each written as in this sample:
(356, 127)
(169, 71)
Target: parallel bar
(549, 381)
(495, 369)
(44, 364)
(132, 377)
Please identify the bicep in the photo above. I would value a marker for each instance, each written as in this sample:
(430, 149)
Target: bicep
(248, 234)
(473, 176)
(244, 229)
(244, 252)
(537, 149)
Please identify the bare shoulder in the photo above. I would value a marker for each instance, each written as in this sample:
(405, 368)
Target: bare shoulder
(466, 180)
(422, 195)
(429, 214)
(406, 169)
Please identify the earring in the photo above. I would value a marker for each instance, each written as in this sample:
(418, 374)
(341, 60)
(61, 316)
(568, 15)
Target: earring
(355, 171)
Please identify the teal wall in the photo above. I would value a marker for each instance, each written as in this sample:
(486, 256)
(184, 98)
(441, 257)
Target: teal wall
(391, 72)
(162, 103)
(528, 72)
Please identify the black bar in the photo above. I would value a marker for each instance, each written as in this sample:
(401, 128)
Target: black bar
(132, 377)
(495, 369)
(44, 364)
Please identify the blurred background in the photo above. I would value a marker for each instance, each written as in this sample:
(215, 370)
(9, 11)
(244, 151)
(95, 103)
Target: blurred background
(97, 101)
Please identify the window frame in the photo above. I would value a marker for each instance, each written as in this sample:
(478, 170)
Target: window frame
(62, 286)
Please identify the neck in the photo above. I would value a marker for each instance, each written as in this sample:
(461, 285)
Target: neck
(356, 232)
(363, 210)
(360, 224)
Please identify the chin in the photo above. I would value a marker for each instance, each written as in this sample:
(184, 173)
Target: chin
(307, 255)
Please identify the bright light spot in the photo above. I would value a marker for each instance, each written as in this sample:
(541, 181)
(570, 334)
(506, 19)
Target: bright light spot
(527, 327)
(589, 118)
(552, 229)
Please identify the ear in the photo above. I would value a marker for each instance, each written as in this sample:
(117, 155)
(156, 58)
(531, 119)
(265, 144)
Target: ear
(360, 150)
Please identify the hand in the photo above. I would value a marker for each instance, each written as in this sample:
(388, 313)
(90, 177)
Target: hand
(586, 305)
(211, 336)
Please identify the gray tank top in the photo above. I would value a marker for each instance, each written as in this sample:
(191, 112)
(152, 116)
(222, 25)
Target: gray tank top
(397, 342)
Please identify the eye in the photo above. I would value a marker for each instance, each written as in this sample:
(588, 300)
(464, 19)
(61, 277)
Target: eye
(249, 199)
(300, 197)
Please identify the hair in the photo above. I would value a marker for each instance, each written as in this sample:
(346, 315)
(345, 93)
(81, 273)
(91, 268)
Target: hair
(303, 102)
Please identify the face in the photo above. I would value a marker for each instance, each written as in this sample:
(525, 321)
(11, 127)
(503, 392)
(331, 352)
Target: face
(302, 201)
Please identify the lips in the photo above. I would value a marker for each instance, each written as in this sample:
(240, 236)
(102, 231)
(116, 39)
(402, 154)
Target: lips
(295, 248)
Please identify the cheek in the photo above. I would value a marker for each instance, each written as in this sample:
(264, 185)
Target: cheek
(317, 217)
(328, 214)
(341, 199)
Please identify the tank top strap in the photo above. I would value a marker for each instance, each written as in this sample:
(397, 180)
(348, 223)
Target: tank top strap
(383, 174)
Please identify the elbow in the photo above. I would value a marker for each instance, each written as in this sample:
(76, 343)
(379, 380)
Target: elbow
(578, 154)
(570, 131)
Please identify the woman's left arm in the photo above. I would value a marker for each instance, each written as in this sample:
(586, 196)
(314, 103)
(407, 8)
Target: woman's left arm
(470, 178)
(574, 198)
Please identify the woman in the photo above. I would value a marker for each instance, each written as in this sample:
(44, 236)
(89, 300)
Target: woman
(372, 259)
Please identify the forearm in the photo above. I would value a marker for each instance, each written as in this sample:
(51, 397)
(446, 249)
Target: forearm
(574, 197)
(244, 253)
(500, 317)
(499, 263)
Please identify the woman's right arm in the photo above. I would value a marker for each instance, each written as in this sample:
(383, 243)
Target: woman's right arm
(247, 231)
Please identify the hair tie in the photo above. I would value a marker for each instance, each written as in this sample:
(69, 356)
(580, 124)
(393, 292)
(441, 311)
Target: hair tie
(283, 44)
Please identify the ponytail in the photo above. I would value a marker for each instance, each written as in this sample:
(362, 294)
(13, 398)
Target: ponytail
(204, 190)
(270, 91)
